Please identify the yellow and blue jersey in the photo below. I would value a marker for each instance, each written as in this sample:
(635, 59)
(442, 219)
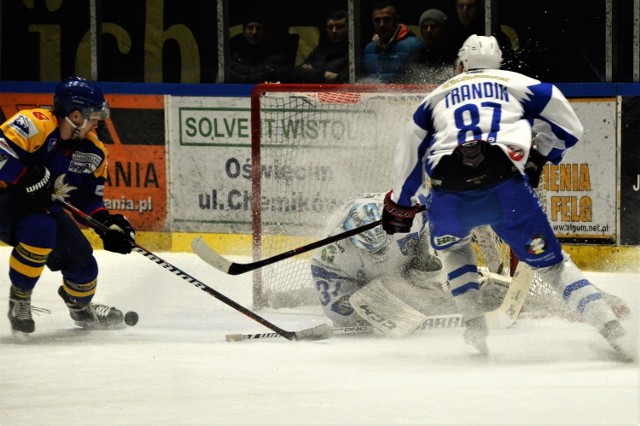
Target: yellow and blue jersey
(32, 137)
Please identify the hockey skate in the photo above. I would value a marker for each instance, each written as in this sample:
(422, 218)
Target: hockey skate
(476, 334)
(20, 317)
(92, 315)
(615, 335)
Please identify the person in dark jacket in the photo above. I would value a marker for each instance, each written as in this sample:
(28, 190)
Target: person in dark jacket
(255, 55)
(392, 44)
(329, 61)
(434, 64)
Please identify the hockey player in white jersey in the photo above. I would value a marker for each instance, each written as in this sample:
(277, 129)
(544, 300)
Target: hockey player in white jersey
(473, 138)
(340, 269)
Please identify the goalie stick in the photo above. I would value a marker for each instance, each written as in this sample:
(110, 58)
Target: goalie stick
(316, 333)
(210, 256)
(433, 322)
(507, 313)
(337, 331)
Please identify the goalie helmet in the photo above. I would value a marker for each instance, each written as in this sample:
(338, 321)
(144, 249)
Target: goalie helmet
(480, 52)
(75, 93)
(374, 240)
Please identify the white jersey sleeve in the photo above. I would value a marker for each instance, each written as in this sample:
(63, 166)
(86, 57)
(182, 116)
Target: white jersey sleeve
(495, 106)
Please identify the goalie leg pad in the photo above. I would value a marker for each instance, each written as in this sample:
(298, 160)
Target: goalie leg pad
(385, 311)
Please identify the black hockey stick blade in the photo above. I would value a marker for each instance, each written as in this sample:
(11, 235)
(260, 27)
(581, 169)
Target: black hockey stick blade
(209, 255)
(316, 333)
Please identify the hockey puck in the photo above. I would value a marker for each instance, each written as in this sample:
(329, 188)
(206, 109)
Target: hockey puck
(131, 318)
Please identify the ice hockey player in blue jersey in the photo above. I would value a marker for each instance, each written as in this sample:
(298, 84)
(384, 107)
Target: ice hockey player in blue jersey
(473, 138)
(42, 152)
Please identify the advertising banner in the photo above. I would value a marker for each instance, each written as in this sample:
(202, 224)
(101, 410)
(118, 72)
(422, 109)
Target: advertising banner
(580, 194)
(210, 167)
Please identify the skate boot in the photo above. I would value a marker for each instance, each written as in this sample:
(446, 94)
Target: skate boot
(615, 335)
(92, 315)
(476, 334)
(20, 312)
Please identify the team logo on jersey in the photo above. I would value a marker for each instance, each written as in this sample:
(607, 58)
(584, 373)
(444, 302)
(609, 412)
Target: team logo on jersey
(40, 116)
(444, 240)
(537, 245)
(61, 188)
(24, 127)
(342, 306)
(51, 143)
(84, 162)
(515, 152)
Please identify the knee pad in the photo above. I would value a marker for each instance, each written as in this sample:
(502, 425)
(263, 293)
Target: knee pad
(37, 230)
(81, 268)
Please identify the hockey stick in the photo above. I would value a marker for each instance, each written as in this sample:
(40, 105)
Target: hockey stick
(316, 333)
(501, 317)
(339, 331)
(210, 256)
(507, 313)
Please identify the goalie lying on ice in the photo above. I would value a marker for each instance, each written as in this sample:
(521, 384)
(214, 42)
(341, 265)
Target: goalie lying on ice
(372, 261)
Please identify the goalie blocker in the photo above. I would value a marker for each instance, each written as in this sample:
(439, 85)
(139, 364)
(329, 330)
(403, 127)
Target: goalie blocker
(396, 218)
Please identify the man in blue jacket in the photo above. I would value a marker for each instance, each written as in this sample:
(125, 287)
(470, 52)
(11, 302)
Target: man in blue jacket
(391, 46)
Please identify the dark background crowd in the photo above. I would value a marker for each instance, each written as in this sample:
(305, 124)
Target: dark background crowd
(251, 41)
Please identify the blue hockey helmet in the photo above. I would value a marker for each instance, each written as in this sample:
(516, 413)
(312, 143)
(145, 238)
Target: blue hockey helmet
(75, 93)
(374, 240)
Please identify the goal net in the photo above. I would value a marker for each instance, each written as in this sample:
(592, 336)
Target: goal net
(313, 148)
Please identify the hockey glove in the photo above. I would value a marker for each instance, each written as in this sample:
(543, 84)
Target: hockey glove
(120, 236)
(37, 186)
(533, 168)
(396, 218)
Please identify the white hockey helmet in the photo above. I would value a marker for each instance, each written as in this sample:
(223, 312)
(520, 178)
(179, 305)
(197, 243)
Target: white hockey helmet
(375, 240)
(480, 52)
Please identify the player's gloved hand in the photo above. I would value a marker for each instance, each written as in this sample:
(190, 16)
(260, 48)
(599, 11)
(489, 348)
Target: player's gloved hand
(396, 218)
(533, 167)
(37, 186)
(120, 235)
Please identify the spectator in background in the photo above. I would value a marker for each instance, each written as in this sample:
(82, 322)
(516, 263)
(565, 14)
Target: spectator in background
(392, 45)
(329, 61)
(435, 62)
(468, 21)
(255, 55)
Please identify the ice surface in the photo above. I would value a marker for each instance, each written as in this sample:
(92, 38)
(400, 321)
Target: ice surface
(174, 367)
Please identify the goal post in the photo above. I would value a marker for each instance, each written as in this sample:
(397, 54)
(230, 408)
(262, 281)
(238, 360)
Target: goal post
(312, 148)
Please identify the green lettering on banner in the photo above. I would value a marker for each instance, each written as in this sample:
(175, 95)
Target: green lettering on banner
(208, 126)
